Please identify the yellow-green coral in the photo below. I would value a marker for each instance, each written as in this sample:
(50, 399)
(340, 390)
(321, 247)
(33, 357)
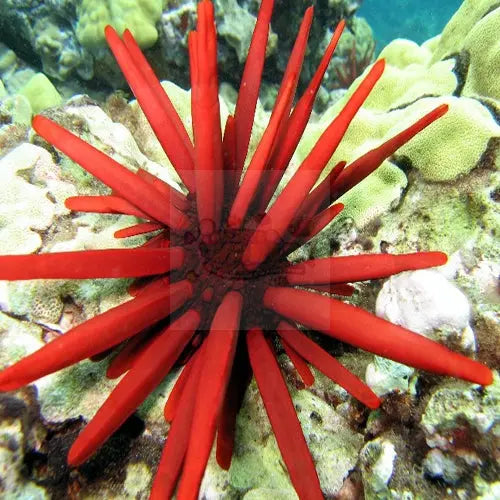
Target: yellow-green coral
(139, 16)
(483, 46)
(41, 93)
(455, 32)
(453, 145)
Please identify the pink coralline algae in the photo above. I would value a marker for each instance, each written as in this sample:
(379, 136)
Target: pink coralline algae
(216, 291)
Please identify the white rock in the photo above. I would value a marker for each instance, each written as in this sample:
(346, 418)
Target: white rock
(423, 301)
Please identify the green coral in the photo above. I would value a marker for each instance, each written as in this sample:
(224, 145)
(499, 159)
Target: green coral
(452, 146)
(455, 32)
(41, 93)
(139, 16)
(483, 45)
(414, 82)
(382, 188)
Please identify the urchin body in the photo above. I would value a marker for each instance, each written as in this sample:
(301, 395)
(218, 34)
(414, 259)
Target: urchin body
(215, 286)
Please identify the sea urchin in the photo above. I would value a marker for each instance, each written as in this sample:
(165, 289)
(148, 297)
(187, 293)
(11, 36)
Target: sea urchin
(216, 286)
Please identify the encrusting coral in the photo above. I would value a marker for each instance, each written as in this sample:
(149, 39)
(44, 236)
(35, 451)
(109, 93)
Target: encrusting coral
(216, 286)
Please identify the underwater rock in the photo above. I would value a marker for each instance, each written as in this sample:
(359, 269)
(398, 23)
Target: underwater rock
(377, 461)
(384, 376)
(15, 436)
(425, 301)
(42, 33)
(255, 467)
(462, 427)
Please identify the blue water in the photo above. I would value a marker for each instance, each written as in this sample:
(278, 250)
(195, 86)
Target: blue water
(417, 20)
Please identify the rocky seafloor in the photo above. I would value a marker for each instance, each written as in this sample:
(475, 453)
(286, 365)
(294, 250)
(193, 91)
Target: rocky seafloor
(433, 437)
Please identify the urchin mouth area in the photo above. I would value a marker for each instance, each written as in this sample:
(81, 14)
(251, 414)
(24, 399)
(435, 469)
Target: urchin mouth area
(215, 269)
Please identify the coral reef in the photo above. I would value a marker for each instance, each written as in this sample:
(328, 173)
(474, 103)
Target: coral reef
(407, 447)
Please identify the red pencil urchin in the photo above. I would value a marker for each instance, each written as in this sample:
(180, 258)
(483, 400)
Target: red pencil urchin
(218, 286)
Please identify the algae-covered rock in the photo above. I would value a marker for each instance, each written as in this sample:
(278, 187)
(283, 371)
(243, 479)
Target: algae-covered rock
(377, 462)
(452, 406)
(384, 376)
(16, 109)
(462, 428)
(14, 437)
(257, 464)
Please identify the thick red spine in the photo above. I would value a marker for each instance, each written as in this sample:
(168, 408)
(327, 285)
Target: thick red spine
(281, 413)
(136, 229)
(181, 137)
(206, 122)
(284, 209)
(364, 330)
(147, 372)
(178, 437)
(108, 263)
(297, 123)
(360, 267)
(253, 174)
(97, 334)
(103, 205)
(220, 348)
(124, 182)
(152, 107)
(298, 362)
(328, 365)
(250, 84)
(362, 167)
